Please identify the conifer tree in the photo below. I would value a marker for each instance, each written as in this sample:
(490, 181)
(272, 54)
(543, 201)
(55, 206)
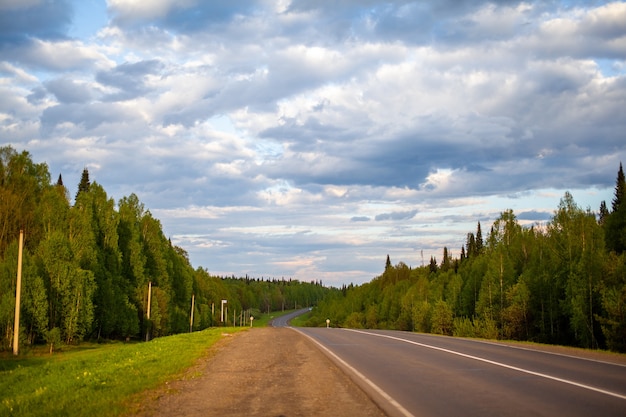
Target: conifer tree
(445, 263)
(615, 222)
(471, 245)
(84, 183)
(604, 213)
(479, 240)
(432, 266)
(620, 189)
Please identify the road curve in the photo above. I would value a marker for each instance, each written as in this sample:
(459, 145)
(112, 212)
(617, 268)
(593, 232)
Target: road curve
(411, 374)
(283, 321)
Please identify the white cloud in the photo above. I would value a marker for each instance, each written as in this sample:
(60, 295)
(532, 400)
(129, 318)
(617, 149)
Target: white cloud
(61, 55)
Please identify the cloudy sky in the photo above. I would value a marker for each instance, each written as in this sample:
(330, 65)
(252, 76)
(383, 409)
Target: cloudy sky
(309, 139)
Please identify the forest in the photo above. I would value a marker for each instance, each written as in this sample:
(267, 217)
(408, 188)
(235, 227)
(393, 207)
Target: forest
(87, 267)
(562, 282)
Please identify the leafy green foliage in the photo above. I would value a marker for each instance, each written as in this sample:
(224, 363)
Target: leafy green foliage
(554, 283)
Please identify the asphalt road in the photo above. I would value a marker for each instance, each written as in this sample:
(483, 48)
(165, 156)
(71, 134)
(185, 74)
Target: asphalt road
(410, 374)
(283, 321)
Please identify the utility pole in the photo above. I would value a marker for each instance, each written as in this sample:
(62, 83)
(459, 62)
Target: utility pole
(18, 297)
(148, 311)
(193, 300)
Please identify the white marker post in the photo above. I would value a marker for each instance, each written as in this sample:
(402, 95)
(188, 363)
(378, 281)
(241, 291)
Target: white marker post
(222, 314)
(327, 323)
(251, 318)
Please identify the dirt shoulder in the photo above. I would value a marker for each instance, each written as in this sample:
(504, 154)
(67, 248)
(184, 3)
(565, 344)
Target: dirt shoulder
(261, 372)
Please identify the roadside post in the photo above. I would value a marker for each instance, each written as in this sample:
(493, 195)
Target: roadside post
(327, 323)
(193, 301)
(18, 296)
(222, 314)
(251, 319)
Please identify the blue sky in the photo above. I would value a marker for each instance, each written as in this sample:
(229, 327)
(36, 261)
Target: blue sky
(309, 139)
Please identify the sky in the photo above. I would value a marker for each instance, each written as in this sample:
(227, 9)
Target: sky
(310, 139)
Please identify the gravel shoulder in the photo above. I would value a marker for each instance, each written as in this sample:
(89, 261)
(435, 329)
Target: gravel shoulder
(261, 372)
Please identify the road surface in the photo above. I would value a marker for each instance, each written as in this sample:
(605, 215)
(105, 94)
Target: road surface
(283, 321)
(410, 374)
(262, 372)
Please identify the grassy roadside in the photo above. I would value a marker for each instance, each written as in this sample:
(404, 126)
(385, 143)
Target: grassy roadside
(96, 379)
(266, 318)
(300, 321)
(100, 379)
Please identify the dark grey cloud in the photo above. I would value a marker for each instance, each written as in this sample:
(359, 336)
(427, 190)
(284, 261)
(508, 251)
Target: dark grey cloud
(88, 116)
(37, 94)
(396, 215)
(22, 21)
(413, 22)
(360, 219)
(67, 90)
(181, 17)
(129, 79)
(538, 216)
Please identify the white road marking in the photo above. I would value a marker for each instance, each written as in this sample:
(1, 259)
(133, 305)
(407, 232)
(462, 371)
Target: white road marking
(565, 381)
(375, 387)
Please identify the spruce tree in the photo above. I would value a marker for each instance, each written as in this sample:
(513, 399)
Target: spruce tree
(604, 213)
(445, 263)
(620, 189)
(84, 183)
(615, 222)
(433, 265)
(471, 245)
(479, 240)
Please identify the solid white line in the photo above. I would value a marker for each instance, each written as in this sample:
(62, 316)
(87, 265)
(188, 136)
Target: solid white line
(565, 381)
(547, 352)
(375, 387)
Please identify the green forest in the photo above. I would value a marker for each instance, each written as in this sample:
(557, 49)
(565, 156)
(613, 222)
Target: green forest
(562, 282)
(87, 267)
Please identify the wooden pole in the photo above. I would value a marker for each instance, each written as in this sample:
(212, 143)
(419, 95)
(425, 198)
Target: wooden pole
(18, 297)
(193, 300)
(148, 310)
(149, 297)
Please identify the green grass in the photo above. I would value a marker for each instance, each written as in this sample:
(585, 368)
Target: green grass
(96, 379)
(99, 379)
(264, 319)
(300, 321)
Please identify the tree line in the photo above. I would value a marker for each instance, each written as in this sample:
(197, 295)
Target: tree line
(87, 267)
(562, 282)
